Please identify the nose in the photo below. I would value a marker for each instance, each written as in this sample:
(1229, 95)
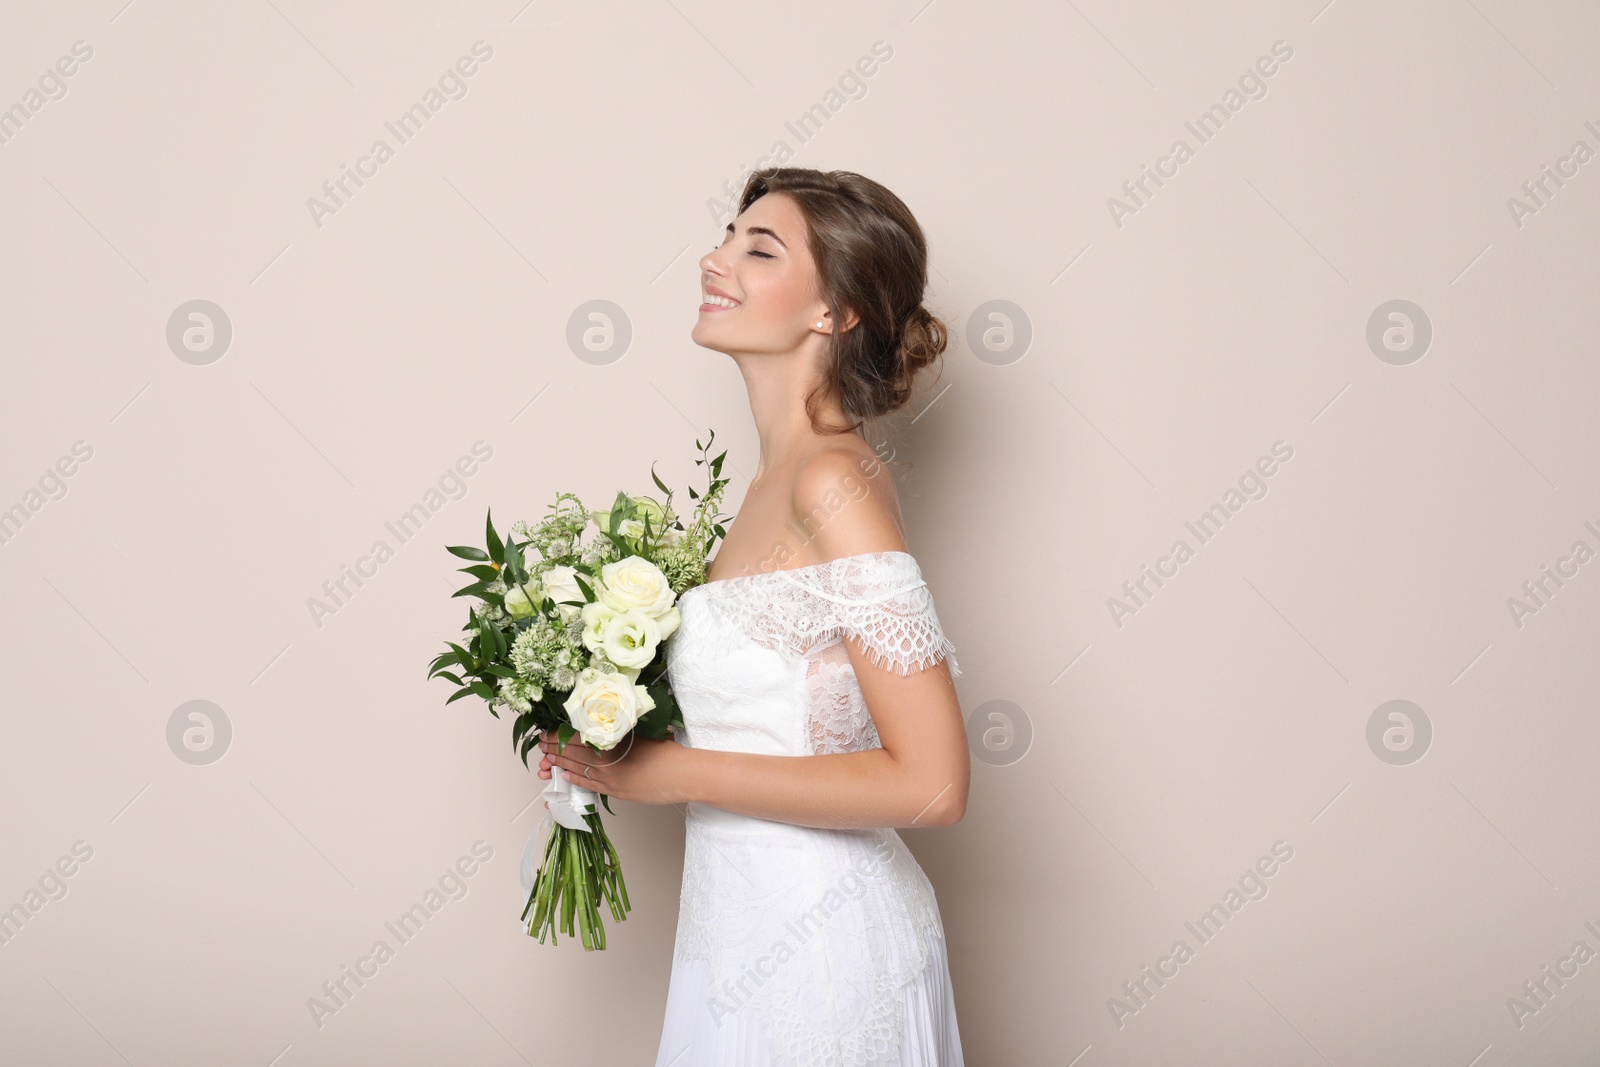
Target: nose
(711, 262)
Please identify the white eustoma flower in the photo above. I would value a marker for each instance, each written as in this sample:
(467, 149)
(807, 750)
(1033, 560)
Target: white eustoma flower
(630, 639)
(596, 616)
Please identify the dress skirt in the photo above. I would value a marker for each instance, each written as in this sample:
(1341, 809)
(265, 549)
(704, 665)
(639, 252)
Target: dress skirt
(691, 1036)
(805, 947)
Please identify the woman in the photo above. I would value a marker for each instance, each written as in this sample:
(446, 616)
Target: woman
(811, 670)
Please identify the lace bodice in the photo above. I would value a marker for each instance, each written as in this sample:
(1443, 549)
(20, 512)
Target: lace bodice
(744, 642)
(817, 929)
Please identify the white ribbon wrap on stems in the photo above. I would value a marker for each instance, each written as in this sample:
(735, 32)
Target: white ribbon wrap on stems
(567, 803)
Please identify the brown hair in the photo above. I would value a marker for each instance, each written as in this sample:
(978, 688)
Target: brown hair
(871, 259)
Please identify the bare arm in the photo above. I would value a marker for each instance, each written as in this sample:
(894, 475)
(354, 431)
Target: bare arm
(918, 778)
(920, 775)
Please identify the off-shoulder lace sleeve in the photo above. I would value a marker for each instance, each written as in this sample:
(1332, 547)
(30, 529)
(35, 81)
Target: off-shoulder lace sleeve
(881, 599)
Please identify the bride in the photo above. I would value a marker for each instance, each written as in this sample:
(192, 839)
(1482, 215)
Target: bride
(813, 676)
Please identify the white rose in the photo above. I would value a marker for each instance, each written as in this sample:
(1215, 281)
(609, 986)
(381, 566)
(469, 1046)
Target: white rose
(630, 639)
(561, 583)
(517, 603)
(643, 506)
(605, 706)
(659, 516)
(596, 617)
(633, 583)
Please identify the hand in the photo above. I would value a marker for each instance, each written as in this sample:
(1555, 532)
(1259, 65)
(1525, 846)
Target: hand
(638, 769)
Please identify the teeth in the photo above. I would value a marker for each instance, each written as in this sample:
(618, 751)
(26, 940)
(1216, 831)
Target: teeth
(722, 301)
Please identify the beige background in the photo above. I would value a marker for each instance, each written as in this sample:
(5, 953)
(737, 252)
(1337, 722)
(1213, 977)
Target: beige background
(1164, 356)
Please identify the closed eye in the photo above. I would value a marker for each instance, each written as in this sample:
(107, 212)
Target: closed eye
(764, 255)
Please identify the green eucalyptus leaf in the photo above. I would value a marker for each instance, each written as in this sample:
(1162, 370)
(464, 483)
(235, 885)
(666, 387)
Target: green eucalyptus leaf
(524, 721)
(497, 549)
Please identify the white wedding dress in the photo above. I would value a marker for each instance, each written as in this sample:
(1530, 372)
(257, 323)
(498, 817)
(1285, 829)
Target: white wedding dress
(799, 946)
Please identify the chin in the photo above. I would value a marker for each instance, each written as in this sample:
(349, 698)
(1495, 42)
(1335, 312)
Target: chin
(704, 338)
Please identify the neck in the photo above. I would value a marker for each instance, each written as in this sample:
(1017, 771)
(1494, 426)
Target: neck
(777, 388)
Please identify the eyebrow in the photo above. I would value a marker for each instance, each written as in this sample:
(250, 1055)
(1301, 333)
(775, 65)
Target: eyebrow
(763, 229)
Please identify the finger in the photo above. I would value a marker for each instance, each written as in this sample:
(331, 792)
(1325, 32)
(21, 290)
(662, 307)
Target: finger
(571, 765)
(575, 769)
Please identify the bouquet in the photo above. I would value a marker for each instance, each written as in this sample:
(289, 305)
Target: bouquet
(570, 635)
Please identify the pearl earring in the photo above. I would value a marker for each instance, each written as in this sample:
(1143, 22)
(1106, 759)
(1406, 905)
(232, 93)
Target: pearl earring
(819, 324)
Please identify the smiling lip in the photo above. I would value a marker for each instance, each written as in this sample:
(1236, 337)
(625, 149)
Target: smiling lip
(712, 290)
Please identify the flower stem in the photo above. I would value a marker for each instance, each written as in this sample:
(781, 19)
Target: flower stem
(579, 870)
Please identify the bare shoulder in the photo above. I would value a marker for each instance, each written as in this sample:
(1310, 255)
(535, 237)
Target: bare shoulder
(844, 500)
